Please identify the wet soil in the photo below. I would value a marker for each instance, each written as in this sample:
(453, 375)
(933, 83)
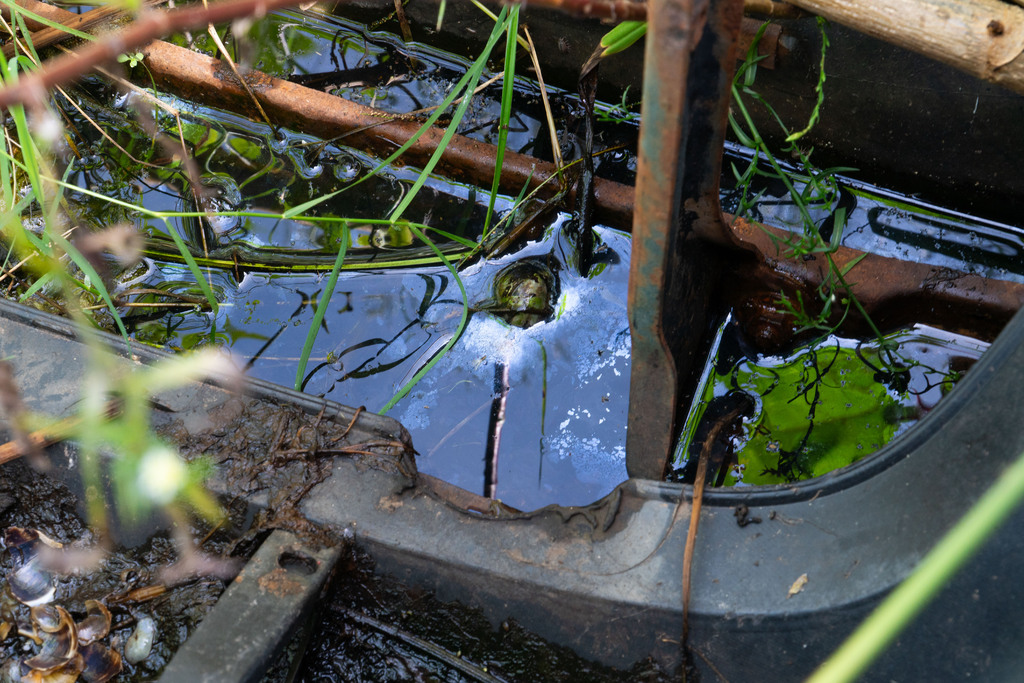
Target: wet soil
(128, 580)
(374, 629)
(274, 454)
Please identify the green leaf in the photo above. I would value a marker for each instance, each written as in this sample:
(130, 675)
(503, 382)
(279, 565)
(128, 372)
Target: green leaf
(622, 37)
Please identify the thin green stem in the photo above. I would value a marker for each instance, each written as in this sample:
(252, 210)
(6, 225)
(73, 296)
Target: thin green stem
(903, 604)
(320, 309)
(463, 320)
(507, 87)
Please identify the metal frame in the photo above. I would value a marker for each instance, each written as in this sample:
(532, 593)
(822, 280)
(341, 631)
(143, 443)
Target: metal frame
(676, 208)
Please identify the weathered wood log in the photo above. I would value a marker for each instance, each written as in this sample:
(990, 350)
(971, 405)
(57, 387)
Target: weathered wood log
(985, 38)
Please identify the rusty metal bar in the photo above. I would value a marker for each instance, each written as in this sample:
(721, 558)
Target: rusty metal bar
(887, 288)
(208, 81)
(681, 133)
(652, 391)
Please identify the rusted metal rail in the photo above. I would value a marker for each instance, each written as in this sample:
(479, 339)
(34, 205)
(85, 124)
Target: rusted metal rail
(678, 170)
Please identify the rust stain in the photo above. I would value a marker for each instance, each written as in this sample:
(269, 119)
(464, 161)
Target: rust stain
(280, 583)
(887, 288)
(257, 80)
(389, 503)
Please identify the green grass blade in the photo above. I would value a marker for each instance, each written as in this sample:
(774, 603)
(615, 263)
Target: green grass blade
(36, 286)
(95, 279)
(440, 14)
(507, 88)
(468, 83)
(321, 309)
(403, 391)
(193, 268)
(306, 206)
(938, 566)
(460, 88)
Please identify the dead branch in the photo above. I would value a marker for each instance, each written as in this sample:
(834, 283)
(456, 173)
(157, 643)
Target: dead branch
(985, 38)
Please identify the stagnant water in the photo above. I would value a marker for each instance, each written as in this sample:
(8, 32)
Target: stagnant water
(561, 384)
(821, 407)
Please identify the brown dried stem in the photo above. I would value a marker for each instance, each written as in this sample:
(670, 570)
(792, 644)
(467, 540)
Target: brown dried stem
(81, 22)
(772, 9)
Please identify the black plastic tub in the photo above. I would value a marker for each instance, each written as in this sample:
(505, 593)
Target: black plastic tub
(605, 579)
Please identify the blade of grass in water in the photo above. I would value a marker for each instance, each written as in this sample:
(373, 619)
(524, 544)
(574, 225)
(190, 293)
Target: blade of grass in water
(468, 82)
(451, 342)
(96, 281)
(507, 84)
(321, 309)
(193, 268)
(471, 76)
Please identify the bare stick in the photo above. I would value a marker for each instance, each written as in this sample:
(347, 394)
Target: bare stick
(212, 30)
(985, 38)
(613, 10)
(772, 9)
